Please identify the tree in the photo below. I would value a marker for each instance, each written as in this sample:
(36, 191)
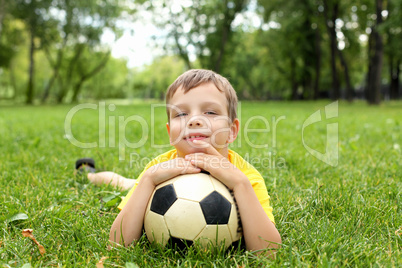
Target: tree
(55, 26)
(80, 64)
(3, 12)
(294, 44)
(33, 14)
(81, 29)
(331, 12)
(392, 42)
(148, 85)
(202, 29)
(11, 37)
(113, 81)
(337, 14)
(84, 74)
(248, 66)
(375, 55)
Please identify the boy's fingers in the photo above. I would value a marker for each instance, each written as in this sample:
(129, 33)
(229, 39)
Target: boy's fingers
(200, 164)
(190, 170)
(185, 166)
(207, 147)
(204, 161)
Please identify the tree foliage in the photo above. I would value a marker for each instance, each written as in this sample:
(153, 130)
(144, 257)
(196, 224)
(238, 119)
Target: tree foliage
(52, 50)
(68, 33)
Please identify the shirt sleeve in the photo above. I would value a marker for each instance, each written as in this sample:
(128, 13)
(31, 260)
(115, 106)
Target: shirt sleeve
(159, 159)
(257, 182)
(260, 189)
(255, 178)
(127, 197)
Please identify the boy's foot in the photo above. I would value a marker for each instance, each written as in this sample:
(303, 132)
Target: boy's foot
(84, 166)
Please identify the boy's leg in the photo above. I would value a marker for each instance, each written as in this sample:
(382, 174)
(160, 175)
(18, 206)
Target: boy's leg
(87, 166)
(114, 179)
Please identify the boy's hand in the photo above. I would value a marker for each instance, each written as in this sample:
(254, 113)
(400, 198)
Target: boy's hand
(170, 169)
(216, 164)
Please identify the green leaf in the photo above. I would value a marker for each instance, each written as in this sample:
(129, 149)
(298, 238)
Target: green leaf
(108, 198)
(112, 202)
(131, 265)
(18, 217)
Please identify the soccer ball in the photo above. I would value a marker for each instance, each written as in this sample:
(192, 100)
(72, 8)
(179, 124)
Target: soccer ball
(192, 207)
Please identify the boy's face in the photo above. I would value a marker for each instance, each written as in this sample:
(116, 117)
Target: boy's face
(200, 114)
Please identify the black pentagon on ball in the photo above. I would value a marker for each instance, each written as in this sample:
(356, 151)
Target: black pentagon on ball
(163, 199)
(216, 208)
(179, 244)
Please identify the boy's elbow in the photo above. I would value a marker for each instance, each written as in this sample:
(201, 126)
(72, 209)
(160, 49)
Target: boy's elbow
(278, 239)
(271, 245)
(113, 236)
(274, 245)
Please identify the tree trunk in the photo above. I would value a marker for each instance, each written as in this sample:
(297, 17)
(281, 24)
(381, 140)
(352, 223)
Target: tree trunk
(83, 78)
(349, 87)
(3, 11)
(79, 48)
(30, 88)
(76, 90)
(12, 80)
(49, 85)
(317, 66)
(330, 23)
(293, 79)
(56, 67)
(224, 39)
(60, 95)
(182, 52)
(226, 32)
(394, 84)
(375, 60)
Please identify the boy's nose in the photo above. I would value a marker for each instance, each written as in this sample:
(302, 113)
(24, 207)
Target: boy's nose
(195, 122)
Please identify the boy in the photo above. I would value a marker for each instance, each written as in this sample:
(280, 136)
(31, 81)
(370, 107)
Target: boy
(202, 122)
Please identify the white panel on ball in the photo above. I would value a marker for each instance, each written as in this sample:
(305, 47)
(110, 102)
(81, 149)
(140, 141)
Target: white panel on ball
(166, 183)
(193, 186)
(219, 233)
(234, 226)
(223, 190)
(157, 231)
(185, 219)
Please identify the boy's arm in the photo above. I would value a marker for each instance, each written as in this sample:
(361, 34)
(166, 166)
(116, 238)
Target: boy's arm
(258, 230)
(127, 227)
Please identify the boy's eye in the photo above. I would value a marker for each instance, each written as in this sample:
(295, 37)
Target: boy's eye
(210, 112)
(180, 114)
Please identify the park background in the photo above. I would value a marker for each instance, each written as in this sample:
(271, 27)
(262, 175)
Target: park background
(59, 51)
(286, 59)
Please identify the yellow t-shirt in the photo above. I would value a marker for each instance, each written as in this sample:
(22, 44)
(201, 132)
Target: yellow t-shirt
(252, 174)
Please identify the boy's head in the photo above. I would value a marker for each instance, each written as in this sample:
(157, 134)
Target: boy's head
(196, 77)
(201, 105)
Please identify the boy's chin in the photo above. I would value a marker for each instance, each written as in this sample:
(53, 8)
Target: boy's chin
(195, 148)
(189, 150)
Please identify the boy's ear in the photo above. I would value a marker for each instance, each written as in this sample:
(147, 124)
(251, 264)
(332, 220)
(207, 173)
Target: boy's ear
(168, 128)
(234, 130)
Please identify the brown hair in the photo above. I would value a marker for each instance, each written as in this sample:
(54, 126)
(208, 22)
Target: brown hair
(196, 77)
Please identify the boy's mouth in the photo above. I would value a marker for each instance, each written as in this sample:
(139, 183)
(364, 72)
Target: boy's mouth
(195, 136)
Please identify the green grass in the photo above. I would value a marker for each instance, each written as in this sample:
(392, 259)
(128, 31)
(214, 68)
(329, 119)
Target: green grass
(348, 215)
